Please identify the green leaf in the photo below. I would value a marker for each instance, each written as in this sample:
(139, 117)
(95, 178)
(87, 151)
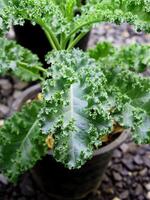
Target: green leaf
(40, 12)
(63, 27)
(82, 100)
(135, 12)
(131, 94)
(70, 114)
(135, 57)
(18, 60)
(21, 142)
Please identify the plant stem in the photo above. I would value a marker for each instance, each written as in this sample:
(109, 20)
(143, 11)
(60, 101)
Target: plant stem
(62, 41)
(24, 66)
(50, 39)
(77, 39)
(76, 30)
(35, 67)
(50, 35)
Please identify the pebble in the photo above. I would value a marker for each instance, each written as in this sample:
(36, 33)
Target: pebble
(138, 190)
(117, 176)
(4, 111)
(3, 179)
(128, 163)
(20, 85)
(16, 94)
(117, 154)
(147, 161)
(124, 148)
(1, 123)
(5, 87)
(116, 198)
(143, 172)
(147, 186)
(124, 195)
(138, 160)
(148, 195)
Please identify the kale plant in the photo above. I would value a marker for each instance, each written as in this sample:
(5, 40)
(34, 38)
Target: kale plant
(84, 94)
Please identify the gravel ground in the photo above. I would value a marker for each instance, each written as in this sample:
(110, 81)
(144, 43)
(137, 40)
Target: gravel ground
(118, 35)
(128, 174)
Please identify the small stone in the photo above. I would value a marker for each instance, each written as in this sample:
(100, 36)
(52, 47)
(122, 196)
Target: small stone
(1, 123)
(119, 184)
(138, 190)
(147, 186)
(10, 101)
(124, 172)
(20, 85)
(125, 34)
(4, 110)
(124, 195)
(148, 195)
(146, 161)
(5, 87)
(131, 174)
(117, 154)
(143, 172)
(105, 178)
(117, 176)
(110, 190)
(138, 160)
(124, 148)
(16, 94)
(116, 198)
(117, 167)
(128, 163)
(3, 179)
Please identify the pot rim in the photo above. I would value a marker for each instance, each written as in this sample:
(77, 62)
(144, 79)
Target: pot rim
(114, 144)
(109, 147)
(30, 93)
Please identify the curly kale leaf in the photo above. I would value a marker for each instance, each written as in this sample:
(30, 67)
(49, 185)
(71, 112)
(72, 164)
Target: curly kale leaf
(42, 12)
(21, 142)
(122, 67)
(135, 57)
(135, 12)
(61, 24)
(75, 111)
(131, 94)
(18, 60)
(84, 98)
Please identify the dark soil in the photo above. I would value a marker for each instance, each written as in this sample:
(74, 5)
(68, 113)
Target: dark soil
(128, 174)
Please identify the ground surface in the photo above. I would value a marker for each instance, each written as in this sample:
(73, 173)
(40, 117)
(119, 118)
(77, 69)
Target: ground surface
(128, 174)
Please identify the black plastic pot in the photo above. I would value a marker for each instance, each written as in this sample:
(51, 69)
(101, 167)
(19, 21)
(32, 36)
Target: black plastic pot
(63, 184)
(33, 38)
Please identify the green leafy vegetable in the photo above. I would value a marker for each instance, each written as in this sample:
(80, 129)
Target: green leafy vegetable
(135, 57)
(84, 98)
(84, 94)
(21, 142)
(131, 94)
(21, 62)
(73, 112)
(64, 28)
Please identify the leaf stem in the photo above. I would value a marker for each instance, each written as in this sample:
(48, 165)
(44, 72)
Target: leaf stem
(24, 66)
(35, 67)
(80, 27)
(77, 39)
(50, 35)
